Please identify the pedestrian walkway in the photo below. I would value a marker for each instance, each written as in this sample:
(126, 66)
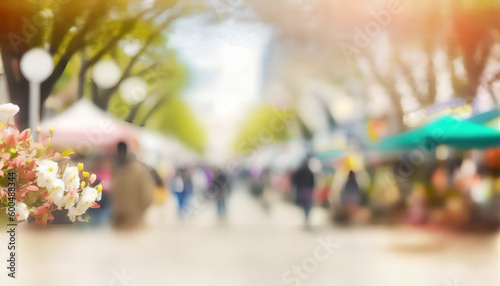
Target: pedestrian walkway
(260, 250)
(243, 210)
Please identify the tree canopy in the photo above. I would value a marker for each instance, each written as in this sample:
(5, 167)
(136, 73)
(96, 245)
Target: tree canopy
(78, 34)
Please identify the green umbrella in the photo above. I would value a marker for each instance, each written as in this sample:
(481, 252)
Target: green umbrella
(447, 130)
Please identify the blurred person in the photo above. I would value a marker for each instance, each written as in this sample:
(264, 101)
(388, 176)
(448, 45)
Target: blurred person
(338, 182)
(259, 183)
(201, 180)
(495, 197)
(385, 194)
(176, 187)
(350, 196)
(220, 189)
(450, 202)
(417, 212)
(186, 174)
(285, 183)
(256, 184)
(483, 206)
(303, 183)
(266, 180)
(133, 189)
(323, 189)
(437, 191)
(159, 212)
(160, 190)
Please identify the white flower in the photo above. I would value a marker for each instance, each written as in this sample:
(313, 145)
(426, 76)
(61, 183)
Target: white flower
(7, 111)
(89, 195)
(47, 168)
(46, 173)
(56, 192)
(70, 201)
(45, 180)
(22, 211)
(76, 211)
(71, 178)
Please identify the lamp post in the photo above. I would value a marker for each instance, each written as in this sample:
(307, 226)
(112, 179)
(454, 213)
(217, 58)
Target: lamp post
(133, 90)
(106, 74)
(36, 65)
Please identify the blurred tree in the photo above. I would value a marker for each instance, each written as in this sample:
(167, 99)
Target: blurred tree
(265, 125)
(435, 48)
(93, 28)
(419, 52)
(175, 117)
(162, 109)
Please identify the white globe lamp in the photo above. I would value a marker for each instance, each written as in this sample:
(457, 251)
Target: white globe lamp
(36, 65)
(106, 74)
(133, 90)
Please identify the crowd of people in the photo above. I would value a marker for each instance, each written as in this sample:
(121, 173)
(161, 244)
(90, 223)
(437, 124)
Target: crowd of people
(461, 193)
(131, 187)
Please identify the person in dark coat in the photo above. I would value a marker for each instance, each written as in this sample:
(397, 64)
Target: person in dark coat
(303, 182)
(350, 195)
(350, 198)
(220, 190)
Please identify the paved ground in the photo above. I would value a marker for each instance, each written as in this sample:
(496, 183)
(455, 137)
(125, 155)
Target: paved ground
(252, 248)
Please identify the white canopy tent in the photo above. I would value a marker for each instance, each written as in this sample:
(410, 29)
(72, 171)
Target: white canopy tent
(84, 126)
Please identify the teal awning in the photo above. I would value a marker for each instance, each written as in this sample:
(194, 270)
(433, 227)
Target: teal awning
(483, 118)
(448, 131)
(330, 154)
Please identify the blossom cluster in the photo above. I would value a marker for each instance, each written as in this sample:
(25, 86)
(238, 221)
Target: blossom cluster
(45, 180)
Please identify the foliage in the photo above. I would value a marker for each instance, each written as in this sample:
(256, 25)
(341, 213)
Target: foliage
(174, 117)
(265, 124)
(93, 29)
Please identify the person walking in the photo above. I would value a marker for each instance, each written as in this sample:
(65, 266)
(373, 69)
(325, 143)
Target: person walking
(187, 190)
(220, 189)
(350, 196)
(303, 183)
(132, 189)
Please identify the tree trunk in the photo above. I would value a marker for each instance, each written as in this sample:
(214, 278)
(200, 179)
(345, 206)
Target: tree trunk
(81, 78)
(18, 88)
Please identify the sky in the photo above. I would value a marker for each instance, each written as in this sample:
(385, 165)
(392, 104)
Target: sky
(225, 61)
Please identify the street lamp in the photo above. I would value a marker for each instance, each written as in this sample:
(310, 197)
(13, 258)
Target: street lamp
(36, 66)
(133, 90)
(106, 74)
